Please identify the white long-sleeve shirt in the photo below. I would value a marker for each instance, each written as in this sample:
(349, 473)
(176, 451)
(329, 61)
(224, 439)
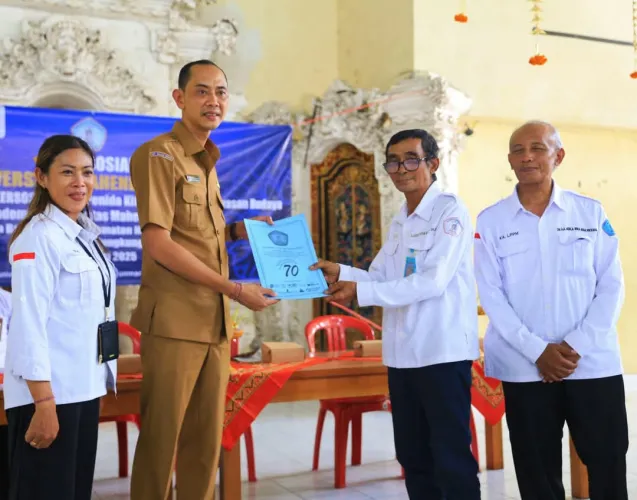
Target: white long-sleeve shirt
(58, 303)
(430, 315)
(546, 280)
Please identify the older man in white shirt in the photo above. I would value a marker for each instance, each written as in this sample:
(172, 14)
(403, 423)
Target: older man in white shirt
(423, 278)
(550, 281)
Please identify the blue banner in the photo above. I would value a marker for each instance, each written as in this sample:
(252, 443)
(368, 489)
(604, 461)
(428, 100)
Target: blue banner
(254, 172)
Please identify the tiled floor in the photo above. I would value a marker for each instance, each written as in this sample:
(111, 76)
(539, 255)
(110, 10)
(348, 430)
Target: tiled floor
(284, 436)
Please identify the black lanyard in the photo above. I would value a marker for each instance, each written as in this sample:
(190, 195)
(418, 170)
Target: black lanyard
(106, 289)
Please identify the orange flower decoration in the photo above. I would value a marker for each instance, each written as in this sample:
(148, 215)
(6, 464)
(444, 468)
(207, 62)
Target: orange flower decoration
(634, 75)
(538, 60)
(461, 18)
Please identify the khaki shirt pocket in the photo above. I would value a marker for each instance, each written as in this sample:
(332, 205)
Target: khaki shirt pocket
(190, 207)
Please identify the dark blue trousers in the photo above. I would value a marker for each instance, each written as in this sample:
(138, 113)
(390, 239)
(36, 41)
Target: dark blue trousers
(595, 411)
(431, 410)
(64, 470)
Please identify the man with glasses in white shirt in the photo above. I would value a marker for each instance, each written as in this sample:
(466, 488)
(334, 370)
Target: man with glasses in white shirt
(551, 283)
(423, 279)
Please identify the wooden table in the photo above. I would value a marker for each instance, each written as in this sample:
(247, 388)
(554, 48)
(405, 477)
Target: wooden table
(334, 379)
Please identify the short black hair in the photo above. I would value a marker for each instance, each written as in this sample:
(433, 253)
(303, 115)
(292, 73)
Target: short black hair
(184, 73)
(429, 144)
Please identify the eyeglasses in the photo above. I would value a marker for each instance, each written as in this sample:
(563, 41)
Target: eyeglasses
(410, 164)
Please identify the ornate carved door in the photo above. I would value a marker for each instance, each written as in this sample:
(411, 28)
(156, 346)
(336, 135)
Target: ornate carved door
(346, 216)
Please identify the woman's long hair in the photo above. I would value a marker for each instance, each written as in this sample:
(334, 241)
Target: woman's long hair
(49, 151)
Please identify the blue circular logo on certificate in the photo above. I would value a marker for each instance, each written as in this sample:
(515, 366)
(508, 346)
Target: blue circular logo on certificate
(279, 238)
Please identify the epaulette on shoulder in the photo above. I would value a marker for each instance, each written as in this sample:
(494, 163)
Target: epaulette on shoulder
(444, 199)
(492, 208)
(161, 140)
(160, 146)
(582, 197)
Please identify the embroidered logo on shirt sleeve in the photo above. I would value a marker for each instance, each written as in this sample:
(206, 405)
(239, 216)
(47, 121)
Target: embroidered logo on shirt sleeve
(161, 154)
(452, 226)
(24, 256)
(607, 228)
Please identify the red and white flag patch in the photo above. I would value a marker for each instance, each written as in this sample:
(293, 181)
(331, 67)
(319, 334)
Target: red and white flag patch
(24, 256)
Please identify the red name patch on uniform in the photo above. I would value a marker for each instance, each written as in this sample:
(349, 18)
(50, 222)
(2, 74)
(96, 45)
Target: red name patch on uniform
(477, 236)
(24, 256)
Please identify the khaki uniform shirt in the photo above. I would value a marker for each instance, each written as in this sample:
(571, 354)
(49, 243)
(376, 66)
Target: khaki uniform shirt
(177, 188)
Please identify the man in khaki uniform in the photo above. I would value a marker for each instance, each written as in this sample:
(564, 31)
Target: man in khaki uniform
(183, 309)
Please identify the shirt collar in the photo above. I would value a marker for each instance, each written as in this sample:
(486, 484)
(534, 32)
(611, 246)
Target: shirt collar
(424, 208)
(191, 145)
(84, 226)
(557, 198)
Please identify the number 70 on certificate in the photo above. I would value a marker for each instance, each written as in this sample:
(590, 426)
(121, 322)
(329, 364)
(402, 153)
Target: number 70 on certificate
(290, 270)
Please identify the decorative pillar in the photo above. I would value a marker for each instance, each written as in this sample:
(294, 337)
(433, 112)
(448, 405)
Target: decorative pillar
(280, 322)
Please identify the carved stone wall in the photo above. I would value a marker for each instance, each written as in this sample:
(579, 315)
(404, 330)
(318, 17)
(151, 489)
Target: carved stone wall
(115, 55)
(416, 101)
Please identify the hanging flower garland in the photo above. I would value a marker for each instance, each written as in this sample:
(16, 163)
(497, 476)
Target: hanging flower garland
(634, 73)
(461, 17)
(538, 59)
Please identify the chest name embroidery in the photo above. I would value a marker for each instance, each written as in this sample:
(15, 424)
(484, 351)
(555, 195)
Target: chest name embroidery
(423, 233)
(508, 235)
(572, 228)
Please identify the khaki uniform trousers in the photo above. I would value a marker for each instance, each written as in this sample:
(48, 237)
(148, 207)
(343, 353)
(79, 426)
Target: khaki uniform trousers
(183, 396)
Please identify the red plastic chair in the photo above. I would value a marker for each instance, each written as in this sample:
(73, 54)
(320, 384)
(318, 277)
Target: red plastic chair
(351, 409)
(344, 409)
(132, 336)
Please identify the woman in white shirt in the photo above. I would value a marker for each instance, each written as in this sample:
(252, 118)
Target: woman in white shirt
(63, 289)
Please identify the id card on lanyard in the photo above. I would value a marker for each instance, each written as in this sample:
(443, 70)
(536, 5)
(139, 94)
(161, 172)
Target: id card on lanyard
(107, 331)
(410, 263)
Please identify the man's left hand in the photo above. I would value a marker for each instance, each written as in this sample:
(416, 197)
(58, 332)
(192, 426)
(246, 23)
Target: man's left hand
(572, 355)
(342, 292)
(240, 228)
(569, 353)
